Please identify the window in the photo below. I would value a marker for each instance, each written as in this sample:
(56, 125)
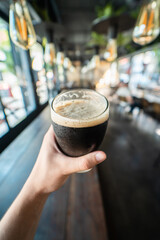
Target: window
(18, 93)
(13, 106)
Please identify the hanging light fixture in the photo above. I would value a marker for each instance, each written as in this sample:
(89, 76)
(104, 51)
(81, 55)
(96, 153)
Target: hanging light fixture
(67, 63)
(60, 54)
(36, 54)
(147, 25)
(60, 58)
(95, 62)
(20, 25)
(96, 58)
(111, 49)
(50, 54)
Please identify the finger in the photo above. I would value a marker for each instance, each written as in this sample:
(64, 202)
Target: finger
(50, 131)
(84, 162)
(49, 137)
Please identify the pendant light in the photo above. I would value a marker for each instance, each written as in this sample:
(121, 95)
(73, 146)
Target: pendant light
(60, 58)
(50, 54)
(20, 25)
(111, 49)
(147, 25)
(67, 63)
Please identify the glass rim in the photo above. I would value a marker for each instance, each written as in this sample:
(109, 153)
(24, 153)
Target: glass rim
(80, 89)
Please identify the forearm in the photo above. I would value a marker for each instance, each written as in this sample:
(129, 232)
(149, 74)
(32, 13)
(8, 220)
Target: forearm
(51, 170)
(21, 219)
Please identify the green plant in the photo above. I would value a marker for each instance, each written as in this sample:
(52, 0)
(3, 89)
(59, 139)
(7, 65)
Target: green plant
(97, 39)
(110, 10)
(124, 38)
(104, 11)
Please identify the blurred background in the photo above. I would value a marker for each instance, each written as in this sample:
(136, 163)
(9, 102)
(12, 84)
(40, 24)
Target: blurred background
(111, 46)
(78, 44)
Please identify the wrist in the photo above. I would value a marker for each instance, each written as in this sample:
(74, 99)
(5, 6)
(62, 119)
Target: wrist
(34, 185)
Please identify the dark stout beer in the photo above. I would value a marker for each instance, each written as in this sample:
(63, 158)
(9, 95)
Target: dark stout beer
(79, 119)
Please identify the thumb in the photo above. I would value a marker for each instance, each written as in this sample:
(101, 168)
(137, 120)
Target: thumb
(86, 162)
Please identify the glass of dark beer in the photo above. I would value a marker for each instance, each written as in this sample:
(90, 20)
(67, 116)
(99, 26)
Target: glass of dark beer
(79, 119)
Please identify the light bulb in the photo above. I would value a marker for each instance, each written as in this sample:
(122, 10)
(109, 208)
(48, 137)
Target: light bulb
(60, 58)
(147, 25)
(50, 55)
(95, 61)
(67, 63)
(3, 56)
(37, 63)
(111, 50)
(20, 25)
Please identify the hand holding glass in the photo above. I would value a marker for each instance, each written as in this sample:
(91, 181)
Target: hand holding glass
(79, 119)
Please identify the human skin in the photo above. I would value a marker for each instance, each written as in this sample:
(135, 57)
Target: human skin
(49, 173)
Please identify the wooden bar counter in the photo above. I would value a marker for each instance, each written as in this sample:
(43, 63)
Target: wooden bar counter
(74, 212)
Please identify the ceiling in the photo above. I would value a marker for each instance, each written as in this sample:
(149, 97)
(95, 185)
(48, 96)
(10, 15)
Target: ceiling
(76, 16)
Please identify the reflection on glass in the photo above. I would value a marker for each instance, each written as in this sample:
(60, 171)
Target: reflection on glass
(50, 55)
(20, 25)
(111, 50)
(147, 25)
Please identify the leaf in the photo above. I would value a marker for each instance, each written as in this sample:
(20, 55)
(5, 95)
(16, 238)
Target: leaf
(104, 11)
(97, 39)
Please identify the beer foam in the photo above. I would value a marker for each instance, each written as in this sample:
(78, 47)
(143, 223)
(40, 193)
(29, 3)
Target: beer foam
(80, 113)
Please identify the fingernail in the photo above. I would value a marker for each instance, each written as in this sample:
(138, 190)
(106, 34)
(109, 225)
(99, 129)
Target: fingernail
(100, 156)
